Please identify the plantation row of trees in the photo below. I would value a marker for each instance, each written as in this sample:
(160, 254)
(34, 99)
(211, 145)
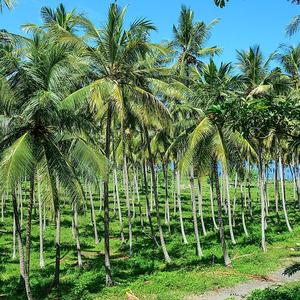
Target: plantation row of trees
(86, 108)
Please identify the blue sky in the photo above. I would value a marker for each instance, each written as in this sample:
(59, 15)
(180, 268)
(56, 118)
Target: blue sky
(242, 22)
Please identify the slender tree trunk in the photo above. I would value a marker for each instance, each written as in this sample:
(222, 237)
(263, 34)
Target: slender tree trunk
(14, 255)
(249, 189)
(180, 207)
(161, 235)
(57, 233)
(109, 280)
(282, 177)
(132, 200)
(244, 203)
(44, 217)
(174, 189)
(212, 203)
(23, 272)
(118, 204)
(226, 179)
(100, 194)
(21, 201)
(136, 186)
(200, 206)
(127, 199)
(167, 206)
(42, 262)
(147, 202)
(151, 194)
(73, 224)
(265, 189)
(276, 189)
(93, 215)
(76, 231)
(234, 198)
(226, 257)
(262, 200)
(194, 213)
(28, 227)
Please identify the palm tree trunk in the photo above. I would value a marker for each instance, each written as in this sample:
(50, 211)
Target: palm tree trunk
(42, 262)
(125, 170)
(118, 204)
(14, 255)
(200, 206)
(276, 189)
(100, 194)
(44, 217)
(212, 203)
(20, 196)
(174, 189)
(249, 189)
(132, 200)
(23, 272)
(262, 200)
(234, 198)
(180, 207)
(167, 206)
(194, 213)
(226, 257)
(28, 227)
(151, 194)
(93, 215)
(244, 203)
(57, 230)
(147, 202)
(76, 231)
(226, 181)
(136, 187)
(282, 177)
(109, 280)
(161, 235)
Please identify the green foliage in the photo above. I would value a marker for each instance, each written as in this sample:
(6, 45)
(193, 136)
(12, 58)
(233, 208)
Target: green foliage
(286, 292)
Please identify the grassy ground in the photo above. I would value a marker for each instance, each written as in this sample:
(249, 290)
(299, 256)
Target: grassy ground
(145, 274)
(287, 292)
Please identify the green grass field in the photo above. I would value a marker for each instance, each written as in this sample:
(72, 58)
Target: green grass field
(145, 274)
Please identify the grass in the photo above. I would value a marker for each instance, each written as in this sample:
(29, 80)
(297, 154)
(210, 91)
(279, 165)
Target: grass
(145, 274)
(289, 291)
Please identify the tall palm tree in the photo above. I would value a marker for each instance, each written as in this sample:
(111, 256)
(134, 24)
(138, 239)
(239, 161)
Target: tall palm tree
(211, 139)
(189, 40)
(35, 83)
(118, 81)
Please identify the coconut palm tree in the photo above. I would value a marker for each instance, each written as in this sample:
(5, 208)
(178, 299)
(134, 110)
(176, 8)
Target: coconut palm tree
(35, 83)
(189, 40)
(56, 20)
(118, 81)
(211, 139)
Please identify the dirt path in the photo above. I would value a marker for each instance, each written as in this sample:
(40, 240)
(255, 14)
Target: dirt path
(242, 290)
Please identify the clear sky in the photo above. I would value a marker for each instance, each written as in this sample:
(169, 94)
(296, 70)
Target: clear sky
(242, 22)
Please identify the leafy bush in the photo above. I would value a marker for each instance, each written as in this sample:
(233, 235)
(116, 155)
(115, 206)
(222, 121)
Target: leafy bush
(287, 292)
